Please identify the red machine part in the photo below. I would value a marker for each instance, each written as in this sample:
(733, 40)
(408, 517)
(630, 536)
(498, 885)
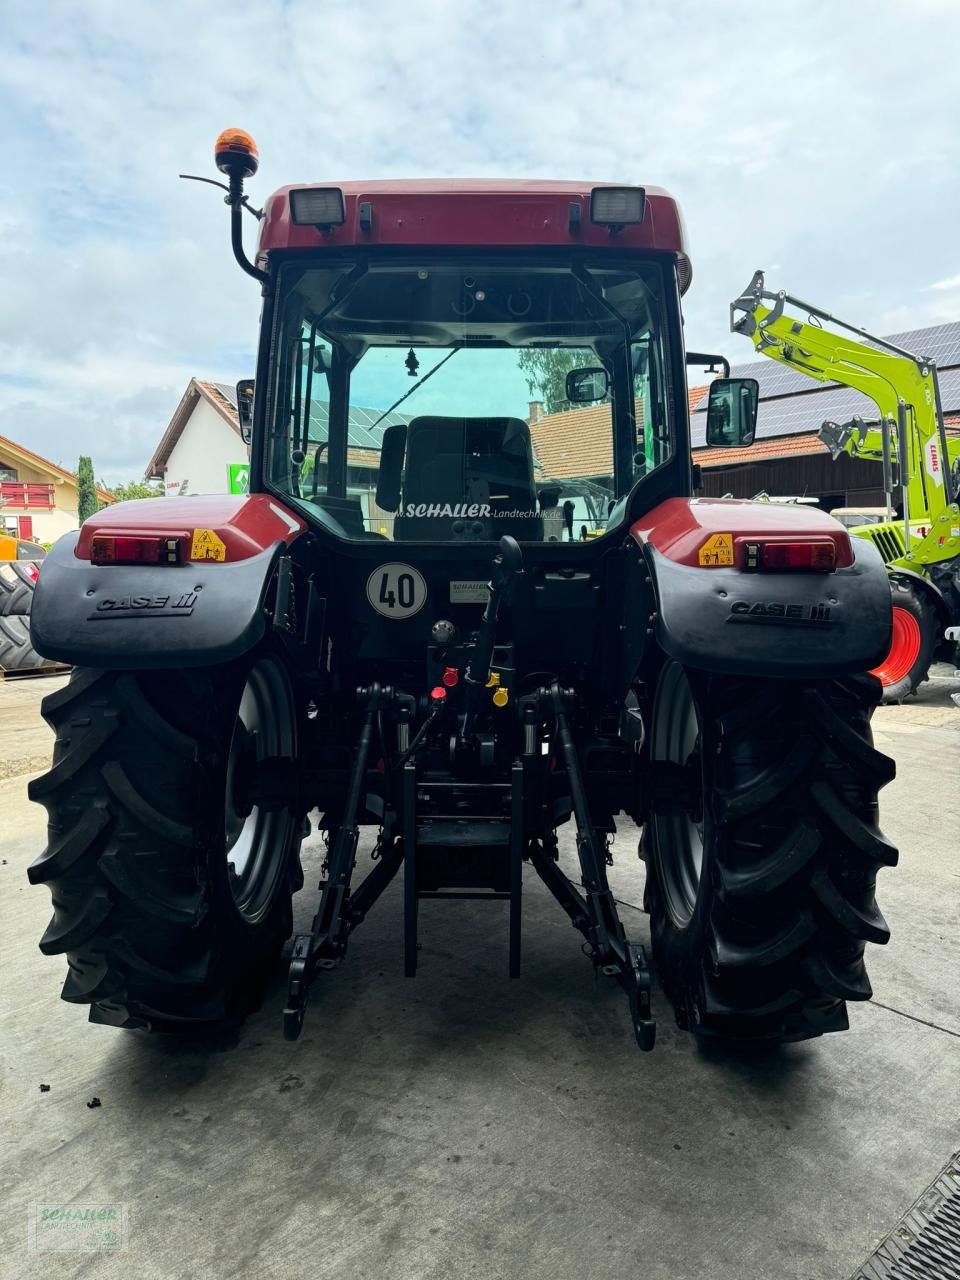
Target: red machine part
(904, 648)
(473, 212)
(244, 526)
(681, 528)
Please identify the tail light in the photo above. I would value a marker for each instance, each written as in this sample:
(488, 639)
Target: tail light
(813, 555)
(134, 549)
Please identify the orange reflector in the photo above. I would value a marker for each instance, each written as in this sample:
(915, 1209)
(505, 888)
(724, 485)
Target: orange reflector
(816, 555)
(128, 549)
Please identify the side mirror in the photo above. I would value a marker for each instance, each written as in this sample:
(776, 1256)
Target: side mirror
(245, 408)
(584, 386)
(732, 412)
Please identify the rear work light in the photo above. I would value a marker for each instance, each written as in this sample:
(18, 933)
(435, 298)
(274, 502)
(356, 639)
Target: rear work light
(317, 207)
(130, 549)
(816, 555)
(615, 207)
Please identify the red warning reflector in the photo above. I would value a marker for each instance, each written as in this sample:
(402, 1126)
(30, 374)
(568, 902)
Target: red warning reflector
(451, 677)
(127, 549)
(818, 555)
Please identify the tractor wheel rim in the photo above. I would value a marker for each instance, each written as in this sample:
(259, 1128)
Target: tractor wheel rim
(678, 838)
(257, 841)
(904, 648)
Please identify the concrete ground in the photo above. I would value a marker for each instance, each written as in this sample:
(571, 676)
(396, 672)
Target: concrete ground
(464, 1125)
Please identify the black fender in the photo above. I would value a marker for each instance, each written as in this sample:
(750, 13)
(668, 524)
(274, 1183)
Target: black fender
(149, 616)
(774, 624)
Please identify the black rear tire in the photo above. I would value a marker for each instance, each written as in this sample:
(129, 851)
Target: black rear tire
(170, 906)
(761, 887)
(916, 637)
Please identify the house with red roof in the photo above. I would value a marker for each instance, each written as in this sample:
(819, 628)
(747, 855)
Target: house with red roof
(38, 498)
(787, 458)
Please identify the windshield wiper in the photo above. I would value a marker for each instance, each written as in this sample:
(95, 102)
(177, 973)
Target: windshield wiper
(419, 383)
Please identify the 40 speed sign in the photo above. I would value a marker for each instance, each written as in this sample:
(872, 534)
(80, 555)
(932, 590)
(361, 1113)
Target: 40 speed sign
(396, 590)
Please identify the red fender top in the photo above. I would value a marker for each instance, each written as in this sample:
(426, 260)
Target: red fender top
(244, 525)
(681, 528)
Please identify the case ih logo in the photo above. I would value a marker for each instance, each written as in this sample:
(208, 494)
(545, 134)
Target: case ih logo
(144, 606)
(778, 612)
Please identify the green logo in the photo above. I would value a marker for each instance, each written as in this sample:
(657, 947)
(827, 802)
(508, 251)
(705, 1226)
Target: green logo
(79, 1228)
(238, 477)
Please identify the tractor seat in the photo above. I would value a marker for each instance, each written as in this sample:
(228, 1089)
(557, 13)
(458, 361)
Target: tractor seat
(459, 480)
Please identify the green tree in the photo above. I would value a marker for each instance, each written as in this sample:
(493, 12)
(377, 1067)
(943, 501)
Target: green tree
(87, 502)
(546, 373)
(134, 490)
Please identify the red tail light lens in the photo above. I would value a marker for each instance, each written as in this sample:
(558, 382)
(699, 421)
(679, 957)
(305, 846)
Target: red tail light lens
(126, 549)
(814, 555)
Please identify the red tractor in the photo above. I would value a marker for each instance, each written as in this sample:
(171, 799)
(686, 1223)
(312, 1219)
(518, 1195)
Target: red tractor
(403, 626)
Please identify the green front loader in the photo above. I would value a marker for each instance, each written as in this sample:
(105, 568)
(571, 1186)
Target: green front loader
(920, 539)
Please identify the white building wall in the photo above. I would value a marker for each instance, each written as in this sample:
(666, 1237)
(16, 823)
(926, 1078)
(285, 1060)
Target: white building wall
(200, 457)
(48, 526)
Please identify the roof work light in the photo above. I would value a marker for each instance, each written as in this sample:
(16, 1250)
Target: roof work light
(615, 207)
(317, 207)
(236, 152)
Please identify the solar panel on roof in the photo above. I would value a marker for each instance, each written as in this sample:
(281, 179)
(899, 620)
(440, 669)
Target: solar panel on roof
(362, 433)
(940, 343)
(228, 392)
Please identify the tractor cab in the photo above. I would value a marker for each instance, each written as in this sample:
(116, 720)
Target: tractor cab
(457, 398)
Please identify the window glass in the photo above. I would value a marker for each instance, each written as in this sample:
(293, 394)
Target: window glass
(429, 401)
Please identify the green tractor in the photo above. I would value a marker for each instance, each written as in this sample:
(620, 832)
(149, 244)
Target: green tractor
(921, 468)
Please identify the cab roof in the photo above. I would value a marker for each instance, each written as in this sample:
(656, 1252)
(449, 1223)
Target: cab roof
(477, 212)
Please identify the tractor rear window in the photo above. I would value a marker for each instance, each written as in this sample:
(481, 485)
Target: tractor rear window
(458, 401)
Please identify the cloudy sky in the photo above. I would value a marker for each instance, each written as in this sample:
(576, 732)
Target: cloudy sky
(821, 142)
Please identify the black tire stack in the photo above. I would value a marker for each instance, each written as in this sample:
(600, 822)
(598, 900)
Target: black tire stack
(17, 581)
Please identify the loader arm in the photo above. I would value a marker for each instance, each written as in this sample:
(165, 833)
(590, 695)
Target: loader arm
(908, 439)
